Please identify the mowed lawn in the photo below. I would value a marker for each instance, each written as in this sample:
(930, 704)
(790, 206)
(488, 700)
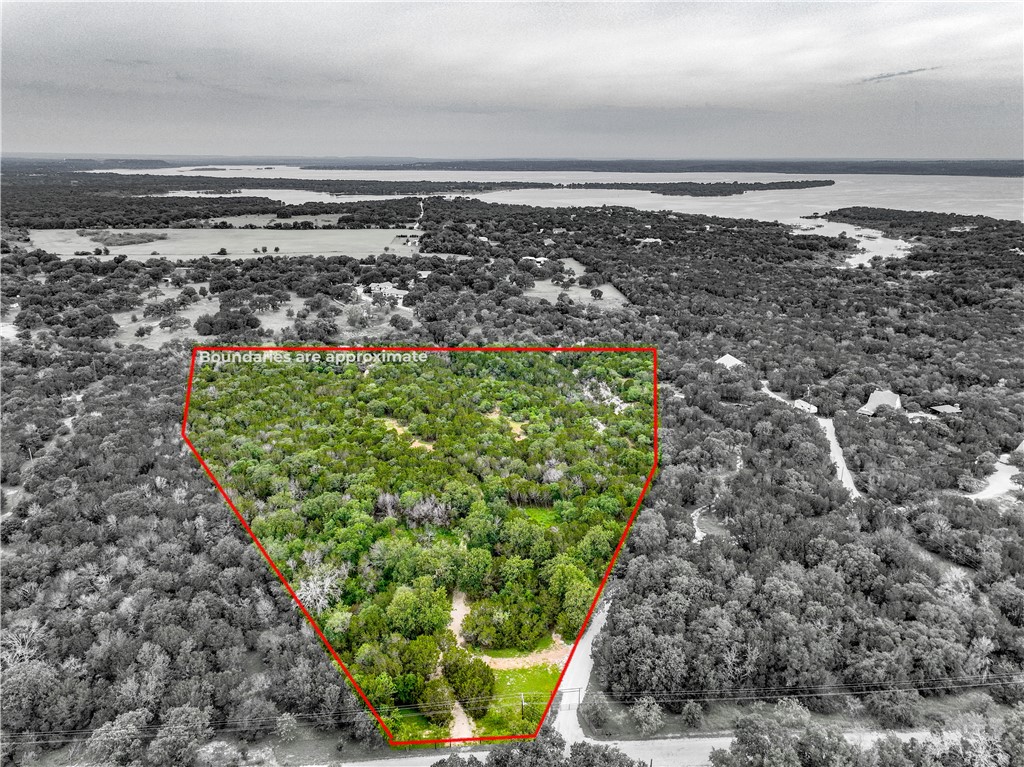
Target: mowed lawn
(519, 690)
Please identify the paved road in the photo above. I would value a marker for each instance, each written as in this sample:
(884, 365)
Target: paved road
(664, 752)
(577, 677)
(661, 752)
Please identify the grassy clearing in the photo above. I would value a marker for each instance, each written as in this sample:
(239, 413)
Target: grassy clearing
(541, 515)
(546, 289)
(543, 644)
(520, 698)
(185, 244)
(414, 726)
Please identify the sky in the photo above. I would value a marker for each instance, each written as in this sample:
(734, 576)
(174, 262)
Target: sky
(473, 80)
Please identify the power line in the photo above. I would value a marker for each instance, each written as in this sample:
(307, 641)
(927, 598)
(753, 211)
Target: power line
(222, 724)
(972, 682)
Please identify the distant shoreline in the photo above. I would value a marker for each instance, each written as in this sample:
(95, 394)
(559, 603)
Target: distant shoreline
(996, 168)
(993, 168)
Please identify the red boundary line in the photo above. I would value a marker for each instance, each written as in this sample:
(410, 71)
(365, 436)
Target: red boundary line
(607, 573)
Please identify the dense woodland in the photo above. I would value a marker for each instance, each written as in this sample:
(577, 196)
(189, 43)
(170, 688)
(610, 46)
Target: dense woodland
(380, 491)
(134, 608)
(799, 590)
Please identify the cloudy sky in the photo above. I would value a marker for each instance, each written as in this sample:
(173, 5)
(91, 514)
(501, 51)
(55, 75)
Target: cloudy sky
(664, 80)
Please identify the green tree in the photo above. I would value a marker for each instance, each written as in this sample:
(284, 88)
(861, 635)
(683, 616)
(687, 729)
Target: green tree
(472, 680)
(475, 567)
(437, 702)
(419, 609)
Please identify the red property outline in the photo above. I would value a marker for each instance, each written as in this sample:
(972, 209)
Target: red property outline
(615, 554)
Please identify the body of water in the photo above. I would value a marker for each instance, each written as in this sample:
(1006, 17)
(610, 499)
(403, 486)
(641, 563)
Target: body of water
(996, 197)
(285, 196)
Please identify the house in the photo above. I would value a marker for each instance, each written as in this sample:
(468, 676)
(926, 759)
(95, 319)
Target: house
(878, 398)
(947, 409)
(728, 361)
(387, 289)
(807, 407)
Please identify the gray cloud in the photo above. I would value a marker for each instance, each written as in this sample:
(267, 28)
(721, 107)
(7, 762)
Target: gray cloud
(535, 79)
(904, 73)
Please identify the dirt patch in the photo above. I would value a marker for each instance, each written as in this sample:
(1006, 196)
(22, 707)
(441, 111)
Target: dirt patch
(460, 609)
(517, 427)
(462, 725)
(396, 426)
(556, 655)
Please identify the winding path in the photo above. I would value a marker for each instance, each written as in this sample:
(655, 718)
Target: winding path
(835, 450)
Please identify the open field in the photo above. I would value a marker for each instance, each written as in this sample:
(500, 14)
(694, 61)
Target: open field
(239, 243)
(546, 289)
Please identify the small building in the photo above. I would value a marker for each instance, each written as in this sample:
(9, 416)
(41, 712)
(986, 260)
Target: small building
(807, 407)
(880, 398)
(947, 409)
(728, 361)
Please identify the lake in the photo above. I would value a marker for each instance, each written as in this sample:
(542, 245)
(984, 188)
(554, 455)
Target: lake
(996, 197)
(286, 196)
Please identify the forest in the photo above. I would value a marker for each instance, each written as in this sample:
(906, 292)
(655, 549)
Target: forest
(380, 492)
(885, 607)
(138, 618)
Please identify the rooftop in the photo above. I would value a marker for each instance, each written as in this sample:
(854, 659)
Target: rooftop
(879, 398)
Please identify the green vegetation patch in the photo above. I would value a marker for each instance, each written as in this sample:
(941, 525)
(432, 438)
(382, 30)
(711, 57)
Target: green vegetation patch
(520, 696)
(383, 489)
